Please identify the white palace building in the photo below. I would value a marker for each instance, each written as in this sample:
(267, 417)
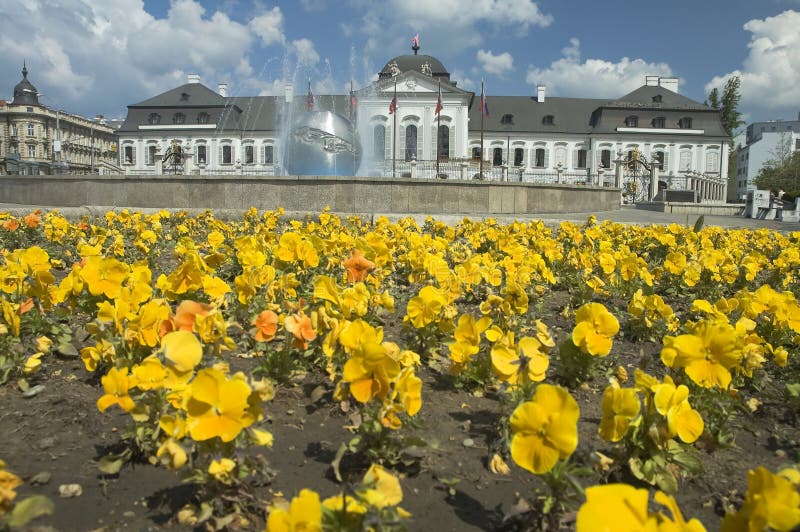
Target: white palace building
(525, 138)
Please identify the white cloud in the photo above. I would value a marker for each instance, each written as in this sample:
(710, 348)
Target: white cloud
(306, 54)
(499, 64)
(269, 26)
(770, 75)
(390, 24)
(593, 78)
(313, 5)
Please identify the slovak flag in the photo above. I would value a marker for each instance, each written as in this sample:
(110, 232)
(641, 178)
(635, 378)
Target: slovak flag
(310, 98)
(439, 101)
(393, 105)
(483, 105)
(415, 41)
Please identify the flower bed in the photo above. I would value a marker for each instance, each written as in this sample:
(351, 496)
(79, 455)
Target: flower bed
(185, 371)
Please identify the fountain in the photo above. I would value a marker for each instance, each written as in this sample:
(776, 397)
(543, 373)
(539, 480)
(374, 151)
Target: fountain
(321, 143)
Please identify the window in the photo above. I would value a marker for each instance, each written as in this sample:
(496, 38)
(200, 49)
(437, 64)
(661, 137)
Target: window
(561, 156)
(179, 118)
(658, 159)
(632, 121)
(129, 154)
(548, 120)
(539, 161)
(476, 152)
(154, 119)
(249, 154)
(519, 153)
(685, 123)
(605, 159)
(712, 162)
(443, 142)
(507, 120)
(30, 130)
(29, 109)
(659, 122)
(227, 154)
(150, 155)
(497, 156)
(269, 154)
(379, 142)
(13, 130)
(31, 151)
(581, 156)
(411, 142)
(657, 98)
(685, 161)
(201, 154)
(202, 118)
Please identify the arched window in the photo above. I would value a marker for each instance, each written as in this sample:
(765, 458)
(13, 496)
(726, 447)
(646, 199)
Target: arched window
(379, 142)
(685, 122)
(154, 119)
(659, 159)
(476, 152)
(519, 154)
(497, 156)
(202, 118)
(179, 118)
(659, 122)
(444, 142)
(540, 158)
(605, 158)
(411, 142)
(202, 154)
(632, 121)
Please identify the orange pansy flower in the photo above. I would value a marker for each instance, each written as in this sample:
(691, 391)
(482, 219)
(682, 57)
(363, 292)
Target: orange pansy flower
(358, 266)
(300, 326)
(267, 325)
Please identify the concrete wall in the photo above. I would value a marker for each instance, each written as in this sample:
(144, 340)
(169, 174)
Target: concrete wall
(308, 194)
(732, 209)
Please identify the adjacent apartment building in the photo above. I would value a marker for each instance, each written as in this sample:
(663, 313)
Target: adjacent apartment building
(36, 139)
(763, 142)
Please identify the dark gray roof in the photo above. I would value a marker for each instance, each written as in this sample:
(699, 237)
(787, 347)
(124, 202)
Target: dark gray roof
(188, 95)
(642, 98)
(415, 62)
(24, 91)
(570, 115)
(239, 114)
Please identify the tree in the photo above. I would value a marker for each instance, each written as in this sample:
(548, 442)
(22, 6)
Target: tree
(781, 176)
(729, 105)
(713, 99)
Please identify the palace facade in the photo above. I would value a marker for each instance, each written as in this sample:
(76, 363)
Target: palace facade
(524, 137)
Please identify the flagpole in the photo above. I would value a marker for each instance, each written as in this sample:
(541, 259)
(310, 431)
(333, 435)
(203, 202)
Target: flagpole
(438, 127)
(394, 132)
(353, 118)
(480, 171)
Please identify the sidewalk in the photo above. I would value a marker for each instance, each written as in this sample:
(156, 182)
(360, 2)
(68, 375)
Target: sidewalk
(626, 215)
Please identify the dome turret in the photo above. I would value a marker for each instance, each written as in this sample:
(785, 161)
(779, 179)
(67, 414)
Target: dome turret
(425, 64)
(24, 91)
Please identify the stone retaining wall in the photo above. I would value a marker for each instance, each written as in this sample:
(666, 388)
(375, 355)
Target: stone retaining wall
(308, 194)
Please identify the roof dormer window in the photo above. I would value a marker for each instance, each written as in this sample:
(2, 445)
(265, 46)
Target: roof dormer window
(632, 121)
(685, 123)
(507, 120)
(657, 98)
(154, 119)
(179, 118)
(548, 120)
(202, 118)
(659, 122)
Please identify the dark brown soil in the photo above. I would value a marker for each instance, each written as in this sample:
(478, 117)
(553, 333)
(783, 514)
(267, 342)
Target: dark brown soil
(60, 432)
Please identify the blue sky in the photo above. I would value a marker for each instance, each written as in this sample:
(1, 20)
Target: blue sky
(98, 57)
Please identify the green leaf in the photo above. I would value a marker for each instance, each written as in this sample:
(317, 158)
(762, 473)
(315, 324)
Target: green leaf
(667, 482)
(28, 509)
(67, 349)
(110, 465)
(793, 389)
(23, 385)
(698, 225)
(338, 460)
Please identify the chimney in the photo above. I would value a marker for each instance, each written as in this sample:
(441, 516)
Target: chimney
(671, 84)
(222, 89)
(540, 93)
(193, 78)
(288, 92)
(651, 81)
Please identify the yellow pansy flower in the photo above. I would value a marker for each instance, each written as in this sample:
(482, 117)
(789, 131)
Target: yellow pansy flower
(544, 429)
(594, 329)
(221, 469)
(303, 515)
(116, 385)
(620, 407)
(522, 362)
(217, 406)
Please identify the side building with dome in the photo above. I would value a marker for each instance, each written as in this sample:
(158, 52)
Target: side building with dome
(525, 138)
(36, 139)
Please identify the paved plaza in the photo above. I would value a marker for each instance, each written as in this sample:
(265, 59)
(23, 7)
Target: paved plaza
(626, 215)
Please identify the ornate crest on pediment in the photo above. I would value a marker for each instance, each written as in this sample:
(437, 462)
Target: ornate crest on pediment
(393, 68)
(426, 69)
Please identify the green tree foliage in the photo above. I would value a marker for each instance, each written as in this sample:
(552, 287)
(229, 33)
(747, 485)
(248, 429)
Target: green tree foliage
(729, 104)
(776, 176)
(713, 99)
